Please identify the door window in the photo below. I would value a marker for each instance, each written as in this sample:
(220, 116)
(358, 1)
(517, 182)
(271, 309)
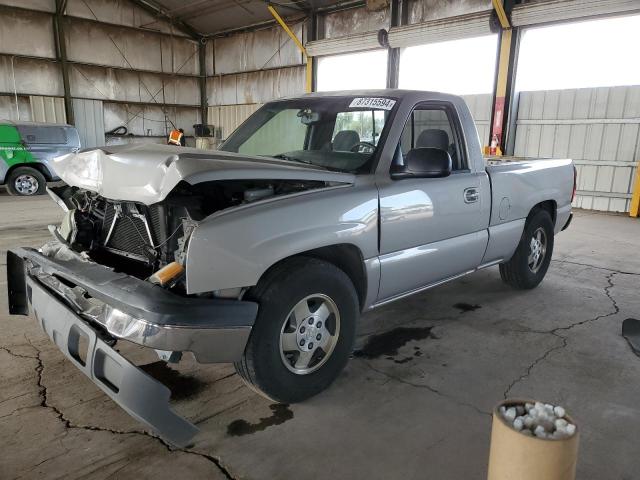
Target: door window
(42, 135)
(432, 126)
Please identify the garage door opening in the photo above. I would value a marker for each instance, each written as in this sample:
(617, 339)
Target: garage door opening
(579, 55)
(354, 71)
(463, 67)
(579, 97)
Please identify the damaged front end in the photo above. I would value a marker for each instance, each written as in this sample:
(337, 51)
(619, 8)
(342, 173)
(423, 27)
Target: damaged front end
(85, 308)
(116, 269)
(141, 239)
(114, 273)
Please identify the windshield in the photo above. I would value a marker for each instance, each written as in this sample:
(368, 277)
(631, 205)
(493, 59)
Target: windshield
(337, 133)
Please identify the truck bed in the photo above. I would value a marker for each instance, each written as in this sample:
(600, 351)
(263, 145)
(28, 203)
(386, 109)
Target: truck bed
(514, 194)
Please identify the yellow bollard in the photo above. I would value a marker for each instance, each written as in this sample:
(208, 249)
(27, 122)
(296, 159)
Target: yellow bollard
(515, 456)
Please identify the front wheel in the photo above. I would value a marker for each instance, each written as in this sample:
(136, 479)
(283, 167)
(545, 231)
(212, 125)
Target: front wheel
(304, 331)
(530, 262)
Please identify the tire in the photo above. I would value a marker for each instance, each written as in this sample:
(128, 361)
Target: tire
(264, 363)
(26, 182)
(525, 270)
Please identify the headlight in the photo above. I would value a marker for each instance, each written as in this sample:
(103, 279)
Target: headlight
(123, 325)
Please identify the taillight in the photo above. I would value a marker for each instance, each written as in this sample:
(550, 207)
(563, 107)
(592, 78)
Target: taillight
(575, 183)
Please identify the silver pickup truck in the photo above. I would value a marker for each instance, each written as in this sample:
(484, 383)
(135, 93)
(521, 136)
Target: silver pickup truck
(266, 252)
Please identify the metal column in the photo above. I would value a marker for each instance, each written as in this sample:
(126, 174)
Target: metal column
(202, 61)
(61, 52)
(312, 34)
(503, 87)
(398, 9)
(634, 208)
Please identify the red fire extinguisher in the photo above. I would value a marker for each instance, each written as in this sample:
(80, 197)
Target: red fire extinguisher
(493, 148)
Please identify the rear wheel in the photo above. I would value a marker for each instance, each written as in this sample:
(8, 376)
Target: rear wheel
(304, 331)
(26, 181)
(530, 262)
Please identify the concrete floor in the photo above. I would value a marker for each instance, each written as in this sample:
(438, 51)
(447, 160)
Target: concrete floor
(414, 403)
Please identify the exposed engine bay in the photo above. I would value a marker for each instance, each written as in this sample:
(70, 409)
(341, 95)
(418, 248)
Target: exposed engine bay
(140, 239)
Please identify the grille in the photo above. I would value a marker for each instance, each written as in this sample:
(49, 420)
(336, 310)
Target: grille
(129, 233)
(109, 213)
(156, 219)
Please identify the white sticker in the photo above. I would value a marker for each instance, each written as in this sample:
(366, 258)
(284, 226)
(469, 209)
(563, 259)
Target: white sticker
(372, 102)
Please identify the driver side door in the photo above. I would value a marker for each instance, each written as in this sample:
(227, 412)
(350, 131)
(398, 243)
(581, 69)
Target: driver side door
(431, 229)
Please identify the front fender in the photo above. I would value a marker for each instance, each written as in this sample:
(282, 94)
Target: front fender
(235, 247)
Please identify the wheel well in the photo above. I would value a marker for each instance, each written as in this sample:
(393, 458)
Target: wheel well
(346, 257)
(549, 205)
(36, 166)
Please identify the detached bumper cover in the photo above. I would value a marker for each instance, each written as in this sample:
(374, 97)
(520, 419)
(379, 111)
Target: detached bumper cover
(214, 330)
(140, 395)
(69, 298)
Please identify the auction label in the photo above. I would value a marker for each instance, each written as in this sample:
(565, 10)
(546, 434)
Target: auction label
(372, 102)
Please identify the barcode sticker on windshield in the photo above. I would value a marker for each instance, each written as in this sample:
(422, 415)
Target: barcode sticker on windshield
(371, 102)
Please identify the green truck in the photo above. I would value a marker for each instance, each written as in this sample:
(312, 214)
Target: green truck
(27, 148)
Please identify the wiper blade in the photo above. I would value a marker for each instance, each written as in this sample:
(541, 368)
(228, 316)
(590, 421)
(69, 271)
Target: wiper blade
(282, 156)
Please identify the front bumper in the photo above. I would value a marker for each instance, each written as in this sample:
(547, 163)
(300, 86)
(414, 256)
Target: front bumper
(214, 330)
(67, 296)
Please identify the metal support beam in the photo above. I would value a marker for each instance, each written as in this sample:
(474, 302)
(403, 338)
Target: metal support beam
(504, 80)
(61, 53)
(502, 14)
(393, 57)
(296, 40)
(160, 12)
(634, 208)
(312, 34)
(202, 61)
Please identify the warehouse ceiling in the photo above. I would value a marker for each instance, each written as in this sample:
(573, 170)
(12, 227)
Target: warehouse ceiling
(210, 17)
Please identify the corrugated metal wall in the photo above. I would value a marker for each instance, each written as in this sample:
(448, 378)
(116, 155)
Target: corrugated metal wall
(354, 20)
(259, 50)
(596, 127)
(248, 69)
(90, 122)
(47, 109)
(30, 76)
(255, 87)
(229, 117)
(480, 106)
(14, 38)
(15, 109)
(118, 12)
(124, 47)
(427, 10)
(117, 52)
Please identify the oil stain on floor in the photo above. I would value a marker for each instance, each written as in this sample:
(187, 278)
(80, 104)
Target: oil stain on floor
(240, 427)
(181, 386)
(466, 307)
(388, 343)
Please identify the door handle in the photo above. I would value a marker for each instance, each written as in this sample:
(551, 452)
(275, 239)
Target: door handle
(471, 195)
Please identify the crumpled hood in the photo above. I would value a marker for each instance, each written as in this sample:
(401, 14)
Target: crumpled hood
(147, 173)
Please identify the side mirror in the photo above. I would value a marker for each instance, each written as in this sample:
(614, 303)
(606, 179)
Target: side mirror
(424, 163)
